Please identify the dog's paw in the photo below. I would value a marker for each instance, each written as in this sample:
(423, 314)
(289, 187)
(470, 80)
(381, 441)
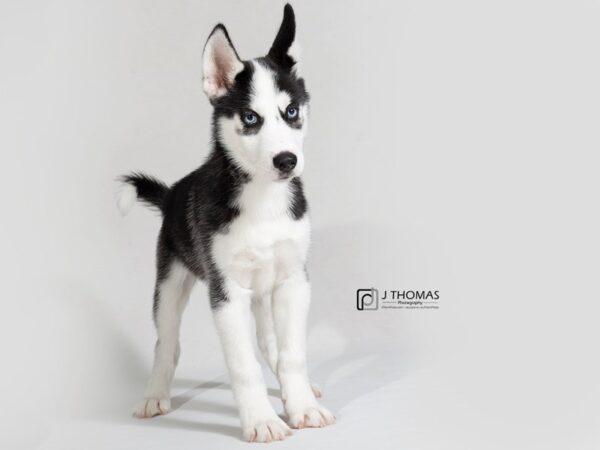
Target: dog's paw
(268, 430)
(152, 406)
(314, 416)
(317, 391)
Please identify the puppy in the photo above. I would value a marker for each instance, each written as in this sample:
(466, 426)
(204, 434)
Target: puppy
(240, 223)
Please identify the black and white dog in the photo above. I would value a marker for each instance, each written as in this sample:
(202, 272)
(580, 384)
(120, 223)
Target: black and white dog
(239, 222)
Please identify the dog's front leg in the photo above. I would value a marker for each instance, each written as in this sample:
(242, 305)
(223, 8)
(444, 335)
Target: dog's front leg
(291, 299)
(231, 311)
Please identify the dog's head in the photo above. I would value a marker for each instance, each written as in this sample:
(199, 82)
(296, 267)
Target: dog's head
(260, 106)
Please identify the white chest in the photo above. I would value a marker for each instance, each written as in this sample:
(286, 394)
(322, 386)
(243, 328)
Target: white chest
(264, 244)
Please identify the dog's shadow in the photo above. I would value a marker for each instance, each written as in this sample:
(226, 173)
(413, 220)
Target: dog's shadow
(208, 406)
(352, 376)
(193, 425)
(195, 394)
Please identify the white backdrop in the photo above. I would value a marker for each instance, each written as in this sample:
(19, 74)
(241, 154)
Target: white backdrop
(452, 146)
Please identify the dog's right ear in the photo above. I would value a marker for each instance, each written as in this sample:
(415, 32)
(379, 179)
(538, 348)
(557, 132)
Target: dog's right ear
(220, 63)
(285, 50)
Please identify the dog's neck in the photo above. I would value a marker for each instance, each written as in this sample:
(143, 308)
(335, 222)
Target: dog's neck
(257, 197)
(265, 199)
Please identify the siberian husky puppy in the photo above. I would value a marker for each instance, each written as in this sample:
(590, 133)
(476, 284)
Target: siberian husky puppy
(239, 223)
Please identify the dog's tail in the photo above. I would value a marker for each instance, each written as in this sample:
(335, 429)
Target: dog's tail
(139, 186)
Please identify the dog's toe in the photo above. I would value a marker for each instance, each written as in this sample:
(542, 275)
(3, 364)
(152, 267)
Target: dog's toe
(317, 391)
(312, 417)
(267, 431)
(152, 406)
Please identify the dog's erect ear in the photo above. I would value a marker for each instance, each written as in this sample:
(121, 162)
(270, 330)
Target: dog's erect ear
(285, 50)
(220, 63)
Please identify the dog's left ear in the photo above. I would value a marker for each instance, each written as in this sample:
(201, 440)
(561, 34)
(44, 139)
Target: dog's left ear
(285, 50)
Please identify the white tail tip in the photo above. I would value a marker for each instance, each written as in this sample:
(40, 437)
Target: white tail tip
(126, 199)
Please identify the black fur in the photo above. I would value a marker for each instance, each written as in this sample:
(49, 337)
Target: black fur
(203, 203)
(287, 81)
(237, 98)
(299, 205)
(284, 40)
(149, 189)
(196, 208)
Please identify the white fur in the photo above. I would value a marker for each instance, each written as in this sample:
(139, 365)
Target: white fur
(265, 330)
(126, 199)
(262, 257)
(174, 294)
(233, 322)
(291, 299)
(295, 52)
(264, 240)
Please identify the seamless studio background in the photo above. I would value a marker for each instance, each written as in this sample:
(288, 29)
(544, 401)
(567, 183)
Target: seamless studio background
(452, 146)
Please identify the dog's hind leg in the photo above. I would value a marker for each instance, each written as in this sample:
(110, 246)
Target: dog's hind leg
(265, 330)
(266, 337)
(173, 287)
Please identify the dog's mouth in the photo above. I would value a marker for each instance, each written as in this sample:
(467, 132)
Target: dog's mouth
(282, 176)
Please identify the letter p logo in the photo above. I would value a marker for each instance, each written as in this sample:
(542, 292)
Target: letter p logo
(367, 299)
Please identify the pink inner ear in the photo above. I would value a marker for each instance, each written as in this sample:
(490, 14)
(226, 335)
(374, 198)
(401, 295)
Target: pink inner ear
(224, 70)
(221, 64)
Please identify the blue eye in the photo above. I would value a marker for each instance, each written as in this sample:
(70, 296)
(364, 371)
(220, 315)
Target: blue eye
(291, 112)
(249, 118)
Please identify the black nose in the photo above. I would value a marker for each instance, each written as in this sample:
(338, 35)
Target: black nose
(285, 161)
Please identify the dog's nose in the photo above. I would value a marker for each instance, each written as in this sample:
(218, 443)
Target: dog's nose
(285, 161)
